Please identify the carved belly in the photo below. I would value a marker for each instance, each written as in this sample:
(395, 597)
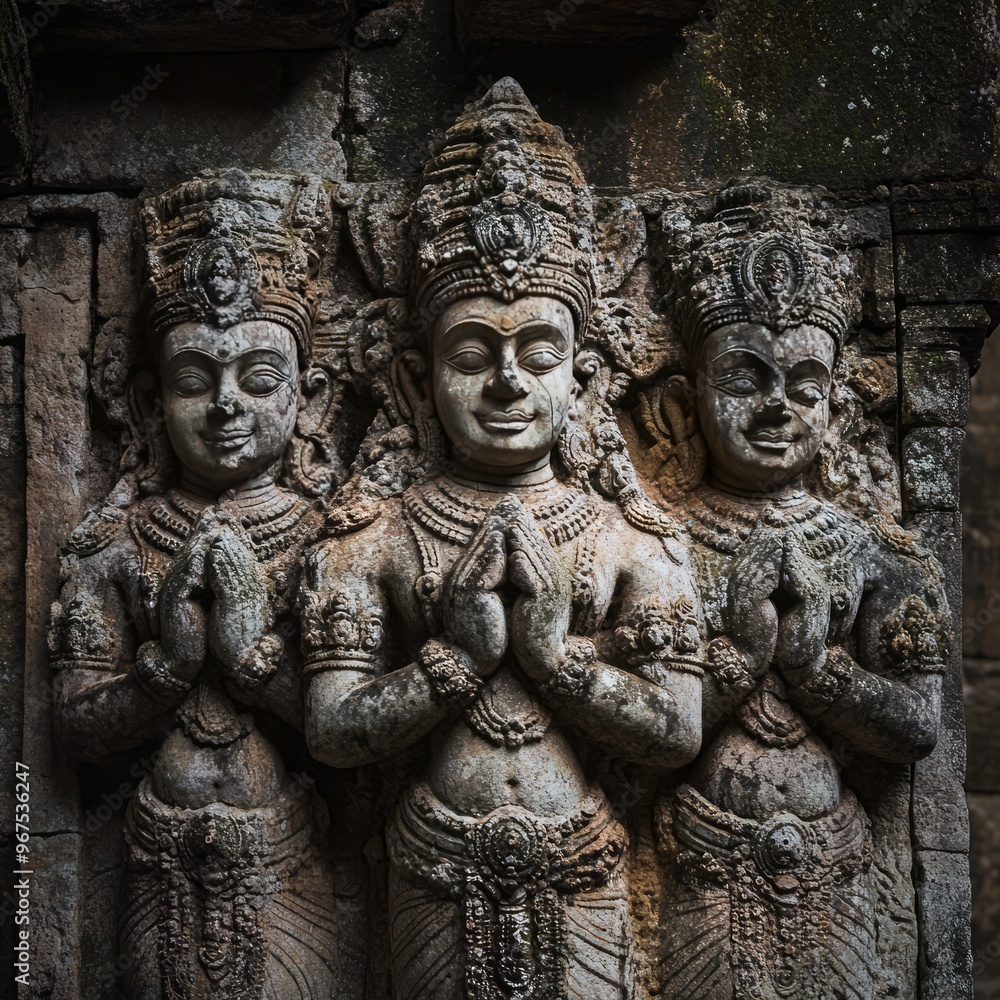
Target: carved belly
(743, 775)
(245, 773)
(505, 752)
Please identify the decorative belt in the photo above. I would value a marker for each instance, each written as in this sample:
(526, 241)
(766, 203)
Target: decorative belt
(508, 871)
(217, 868)
(793, 855)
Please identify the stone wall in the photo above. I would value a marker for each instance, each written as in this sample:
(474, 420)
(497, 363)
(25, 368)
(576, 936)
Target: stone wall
(979, 510)
(890, 105)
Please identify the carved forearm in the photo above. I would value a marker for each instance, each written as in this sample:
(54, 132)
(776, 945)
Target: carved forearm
(373, 718)
(640, 721)
(98, 715)
(886, 718)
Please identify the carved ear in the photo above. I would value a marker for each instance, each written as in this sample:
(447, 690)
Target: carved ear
(412, 379)
(667, 417)
(411, 382)
(678, 407)
(147, 448)
(312, 461)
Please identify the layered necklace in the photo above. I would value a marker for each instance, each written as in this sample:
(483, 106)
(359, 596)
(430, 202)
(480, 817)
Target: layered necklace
(454, 510)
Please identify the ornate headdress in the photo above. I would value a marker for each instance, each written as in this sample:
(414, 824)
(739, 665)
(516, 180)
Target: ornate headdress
(229, 247)
(504, 210)
(759, 263)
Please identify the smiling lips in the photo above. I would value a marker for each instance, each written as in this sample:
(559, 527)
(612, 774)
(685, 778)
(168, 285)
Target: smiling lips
(505, 421)
(771, 438)
(227, 440)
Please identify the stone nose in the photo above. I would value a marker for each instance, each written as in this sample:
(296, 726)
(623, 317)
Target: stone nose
(506, 383)
(225, 404)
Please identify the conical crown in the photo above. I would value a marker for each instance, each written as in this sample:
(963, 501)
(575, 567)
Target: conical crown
(504, 210)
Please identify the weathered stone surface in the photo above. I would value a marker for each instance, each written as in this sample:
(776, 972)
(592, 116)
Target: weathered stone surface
(935, 389)
(54, 302)
(940, 206)
(808, 92)
(946, 910)
(949, 267)
(880, 287)
(985, 814)
(959, 327)
(15, 85)
(567, 22)
(931, 464)
(12, 553)
(147, 121)
(179, 26)
(399, 97)
(56, 959)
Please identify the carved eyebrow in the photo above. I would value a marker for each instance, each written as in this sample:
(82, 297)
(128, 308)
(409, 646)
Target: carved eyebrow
(251, 355)
(743, 354)
(480, 324)
(808, 364)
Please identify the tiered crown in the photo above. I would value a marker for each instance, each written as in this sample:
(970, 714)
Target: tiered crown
(504, 210)
(230, 247)
(764, 264)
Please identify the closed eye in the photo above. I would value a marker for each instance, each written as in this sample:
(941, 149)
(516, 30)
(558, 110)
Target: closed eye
(190, 383)
(470, 359)
(738, 383)
(541, 358)
(262, 380)
(808, 392)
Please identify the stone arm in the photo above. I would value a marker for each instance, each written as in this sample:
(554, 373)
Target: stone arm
(886, 702)
(642, 698)
(355, 711)
(101, 706)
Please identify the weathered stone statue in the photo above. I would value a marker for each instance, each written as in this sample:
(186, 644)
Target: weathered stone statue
(500, 615)
(827, 631)
(176, 611)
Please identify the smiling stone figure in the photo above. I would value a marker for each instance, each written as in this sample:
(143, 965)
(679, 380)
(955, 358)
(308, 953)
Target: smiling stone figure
(500, 615)
(173, 624)
(786, 849)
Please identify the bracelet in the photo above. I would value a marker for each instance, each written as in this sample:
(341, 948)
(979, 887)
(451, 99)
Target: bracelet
(832, 680)
(729, 667)
(156, 678)
(450, 672)
(573, 678)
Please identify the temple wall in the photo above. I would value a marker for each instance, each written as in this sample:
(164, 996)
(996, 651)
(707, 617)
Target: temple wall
(891, 105)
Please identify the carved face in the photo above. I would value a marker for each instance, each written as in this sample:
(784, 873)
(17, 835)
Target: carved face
(503, 379)
(230, 399)
(763, 402)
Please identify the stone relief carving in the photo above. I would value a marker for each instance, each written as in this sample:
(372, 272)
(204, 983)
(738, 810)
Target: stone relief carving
(174, 619)
(497, 609)
(563, 526)
(827, 625)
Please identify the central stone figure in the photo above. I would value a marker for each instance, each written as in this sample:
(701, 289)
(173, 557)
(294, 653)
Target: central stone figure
(500, 615)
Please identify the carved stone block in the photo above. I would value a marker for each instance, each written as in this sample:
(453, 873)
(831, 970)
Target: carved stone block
(935, 388)
(931, 465)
